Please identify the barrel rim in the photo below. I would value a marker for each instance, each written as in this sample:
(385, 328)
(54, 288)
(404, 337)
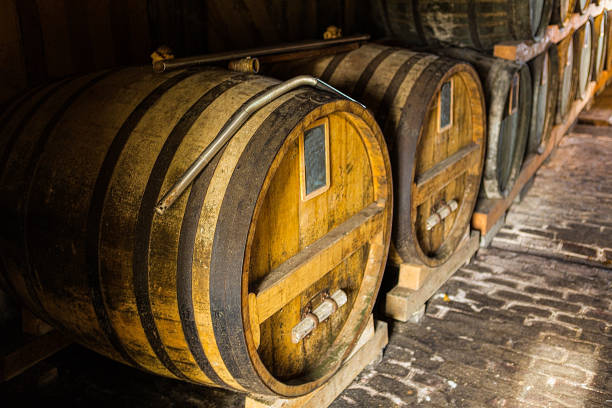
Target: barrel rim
(275, 386)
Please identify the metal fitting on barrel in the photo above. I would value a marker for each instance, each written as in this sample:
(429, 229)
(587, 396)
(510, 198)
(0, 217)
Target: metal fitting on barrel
(247, 65)
(441, 213)
(312, 319)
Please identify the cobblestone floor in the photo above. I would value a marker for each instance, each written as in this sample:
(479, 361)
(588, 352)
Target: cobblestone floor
(528, 323)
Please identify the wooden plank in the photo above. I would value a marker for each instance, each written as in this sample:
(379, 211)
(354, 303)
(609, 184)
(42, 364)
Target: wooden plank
(444, 172)
(401, 302)
(368, 349)
(523, 51)
(36, 350)
(488, 212)
(304, 269)
(412, 276)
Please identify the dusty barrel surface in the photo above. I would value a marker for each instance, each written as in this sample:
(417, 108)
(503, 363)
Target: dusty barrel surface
(296, 207)
(478, 24)
(544, 74)
(508, 94)
(432, 114)
(600, 41)
(562, 10)
(567, 82)
(583, 58)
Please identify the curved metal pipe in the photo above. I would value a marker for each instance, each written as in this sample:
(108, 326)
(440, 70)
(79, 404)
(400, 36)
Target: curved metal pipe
(228, 131)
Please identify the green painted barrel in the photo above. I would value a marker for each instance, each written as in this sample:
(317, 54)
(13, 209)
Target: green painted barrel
(600, 31)
(545, 82)
(583, 57)
(566, 74)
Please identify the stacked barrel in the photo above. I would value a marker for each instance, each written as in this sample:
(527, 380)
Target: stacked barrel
(261, 277)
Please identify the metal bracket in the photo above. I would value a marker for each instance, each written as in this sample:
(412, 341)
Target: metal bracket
(230, 129)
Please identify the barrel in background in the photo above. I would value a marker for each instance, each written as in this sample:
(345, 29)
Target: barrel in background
(296, 207)
(582, 5)
(600, 41)
(562, 11)
(478, 24)
(544, 74)
(583, 58)
(567, 74)
(508, 95)
(45, 40)
(432, 114)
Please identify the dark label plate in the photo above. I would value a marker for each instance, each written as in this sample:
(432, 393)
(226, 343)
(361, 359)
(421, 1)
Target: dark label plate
(315, 168)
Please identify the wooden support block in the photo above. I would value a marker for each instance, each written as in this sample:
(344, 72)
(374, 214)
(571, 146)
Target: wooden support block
(402, 302)
(31, 353)
(412, 276)
(368, 349)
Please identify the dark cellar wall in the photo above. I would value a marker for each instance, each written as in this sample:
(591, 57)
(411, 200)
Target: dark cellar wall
(46, 39)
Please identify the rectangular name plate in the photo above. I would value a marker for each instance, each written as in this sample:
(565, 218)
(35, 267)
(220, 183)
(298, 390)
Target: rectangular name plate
(314, 152)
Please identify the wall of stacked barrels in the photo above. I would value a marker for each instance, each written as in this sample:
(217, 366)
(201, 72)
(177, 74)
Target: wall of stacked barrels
(263, 272)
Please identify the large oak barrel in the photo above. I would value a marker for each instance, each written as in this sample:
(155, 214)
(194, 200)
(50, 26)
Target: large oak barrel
(508, 94)
(583, 58)
(567, 84)
(600, 41)
(544, 74)
(432, 114)
(478, 24)
(293, 214)
(562, 11)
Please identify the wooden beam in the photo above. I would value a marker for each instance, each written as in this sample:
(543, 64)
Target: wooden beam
(444, 172)
(301, 271)
(523, 51)
(31, 353)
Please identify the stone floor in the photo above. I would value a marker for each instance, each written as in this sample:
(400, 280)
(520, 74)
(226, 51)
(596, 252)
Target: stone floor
(528, 323)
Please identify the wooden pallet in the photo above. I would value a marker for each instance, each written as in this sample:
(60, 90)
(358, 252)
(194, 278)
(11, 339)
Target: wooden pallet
(489, 212)
(368, 350)
(523, 51)
(418, 283)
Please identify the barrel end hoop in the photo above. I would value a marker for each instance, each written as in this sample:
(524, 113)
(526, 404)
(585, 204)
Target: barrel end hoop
(368, 350)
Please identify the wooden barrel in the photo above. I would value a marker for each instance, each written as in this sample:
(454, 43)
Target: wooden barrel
(600, 40)
(508, 94)
(293, 212)
(478, 24)
(583, 58)
(432, 114)
(562, 10)
(581, 5)
(544, 74)
(567, 84)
